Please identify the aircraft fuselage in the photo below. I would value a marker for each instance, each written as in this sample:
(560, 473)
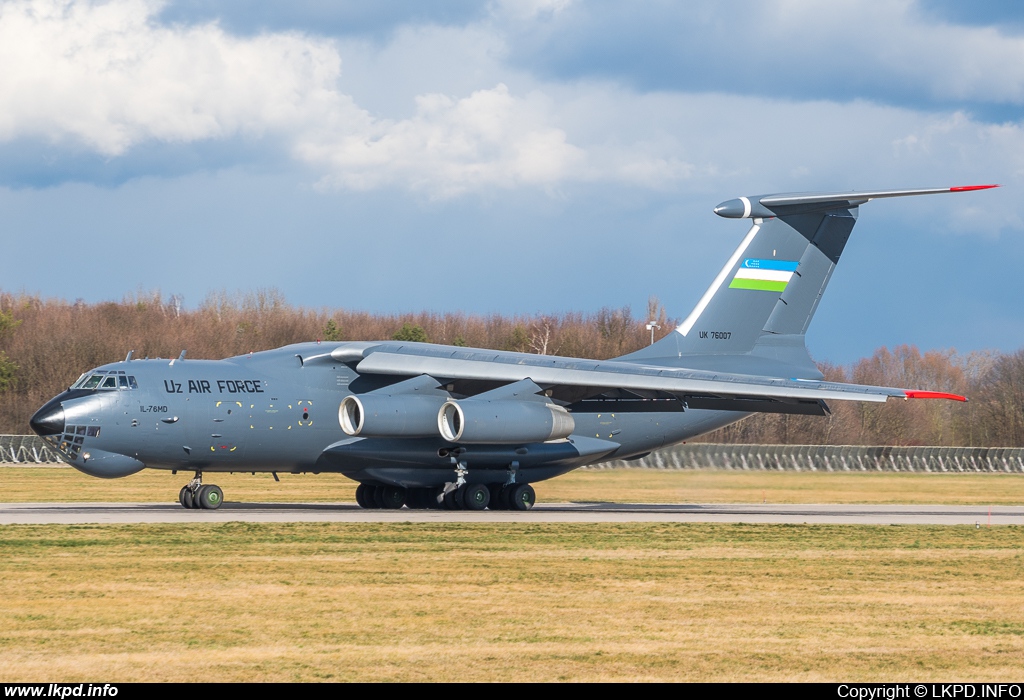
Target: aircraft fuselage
(275, 412)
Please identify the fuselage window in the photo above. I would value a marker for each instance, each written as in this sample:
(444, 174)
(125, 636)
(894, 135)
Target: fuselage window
(132, 382)
(79, 381)
(123, 381)
(109, 383)
(93, 381)
(94, 431)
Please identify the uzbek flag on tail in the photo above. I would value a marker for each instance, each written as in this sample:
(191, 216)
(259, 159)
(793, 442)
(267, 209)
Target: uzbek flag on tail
(764, 275)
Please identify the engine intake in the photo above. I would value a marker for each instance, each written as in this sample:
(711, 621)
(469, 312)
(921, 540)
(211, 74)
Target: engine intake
(502, 422)
(370, 415)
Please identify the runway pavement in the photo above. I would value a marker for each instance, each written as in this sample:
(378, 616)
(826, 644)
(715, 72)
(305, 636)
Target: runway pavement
(84, 513)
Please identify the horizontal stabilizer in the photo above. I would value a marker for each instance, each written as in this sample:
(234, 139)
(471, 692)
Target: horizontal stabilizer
(769, 205)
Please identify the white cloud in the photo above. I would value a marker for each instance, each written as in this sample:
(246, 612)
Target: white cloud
(449, 146)
(108, 76)
(105, 75)
(886, 49)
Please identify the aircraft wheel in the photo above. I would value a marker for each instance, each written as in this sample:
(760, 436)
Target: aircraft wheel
(523, 497)
(476, 496)
(377, 496)
(185, 497)
(209, 497)
(214, 498)
(393, 497)
(455, 500)
(360, 496)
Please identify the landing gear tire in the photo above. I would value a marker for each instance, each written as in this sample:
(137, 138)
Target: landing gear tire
(185, 497)
(393, 497)
(377, 497)
(522, 497)
(209, 497)
(476, 496)
(455, 500)
(361, 499)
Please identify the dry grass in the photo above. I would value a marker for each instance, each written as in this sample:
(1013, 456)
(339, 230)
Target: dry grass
(727, 486)
(510, 602)
(59, 484)
(27, 484)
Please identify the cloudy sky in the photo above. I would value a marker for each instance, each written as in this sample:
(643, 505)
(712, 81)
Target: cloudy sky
(522, 156)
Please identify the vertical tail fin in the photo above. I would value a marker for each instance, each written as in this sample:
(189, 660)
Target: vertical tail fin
(754, 315)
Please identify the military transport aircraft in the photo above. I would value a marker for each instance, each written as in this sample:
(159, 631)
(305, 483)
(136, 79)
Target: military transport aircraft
(423, 426)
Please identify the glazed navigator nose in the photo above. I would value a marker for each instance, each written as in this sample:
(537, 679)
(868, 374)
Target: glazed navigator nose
(48, 420)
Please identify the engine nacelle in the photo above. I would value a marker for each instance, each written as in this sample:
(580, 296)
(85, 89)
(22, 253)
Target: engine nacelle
(503, 422)
(379, 415)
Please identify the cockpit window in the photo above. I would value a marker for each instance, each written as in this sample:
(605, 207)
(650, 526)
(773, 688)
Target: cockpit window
(101, 380)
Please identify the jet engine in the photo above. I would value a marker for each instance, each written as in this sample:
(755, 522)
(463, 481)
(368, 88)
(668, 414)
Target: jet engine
(501, 422)
(370, 415)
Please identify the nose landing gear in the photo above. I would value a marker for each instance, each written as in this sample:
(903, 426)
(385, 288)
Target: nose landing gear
(195, 494)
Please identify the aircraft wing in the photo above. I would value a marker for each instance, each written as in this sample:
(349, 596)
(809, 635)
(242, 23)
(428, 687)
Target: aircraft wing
(699, 389)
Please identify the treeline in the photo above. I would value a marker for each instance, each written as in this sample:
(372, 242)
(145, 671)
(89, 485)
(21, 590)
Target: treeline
(993, 417)
(46, 344)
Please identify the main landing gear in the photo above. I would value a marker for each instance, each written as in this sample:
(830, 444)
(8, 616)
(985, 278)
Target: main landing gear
(464, 497)
(195, 494)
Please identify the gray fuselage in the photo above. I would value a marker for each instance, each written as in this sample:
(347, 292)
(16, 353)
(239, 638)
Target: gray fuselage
(273, 411)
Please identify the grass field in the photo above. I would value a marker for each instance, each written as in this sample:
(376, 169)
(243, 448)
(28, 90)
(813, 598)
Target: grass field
(509, 602)
(21, 484)
(580, 602)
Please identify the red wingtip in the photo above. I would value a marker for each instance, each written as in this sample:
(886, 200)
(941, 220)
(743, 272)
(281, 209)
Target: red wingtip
(934, 395)
(971, 188)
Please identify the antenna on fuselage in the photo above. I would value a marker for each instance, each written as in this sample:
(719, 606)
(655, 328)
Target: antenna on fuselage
(128, 357)
(182, 355)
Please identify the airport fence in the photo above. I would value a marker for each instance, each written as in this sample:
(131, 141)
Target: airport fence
(839, 458)
(29, 449)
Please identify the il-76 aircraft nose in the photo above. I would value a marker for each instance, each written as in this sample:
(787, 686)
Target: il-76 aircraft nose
(48, 420)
